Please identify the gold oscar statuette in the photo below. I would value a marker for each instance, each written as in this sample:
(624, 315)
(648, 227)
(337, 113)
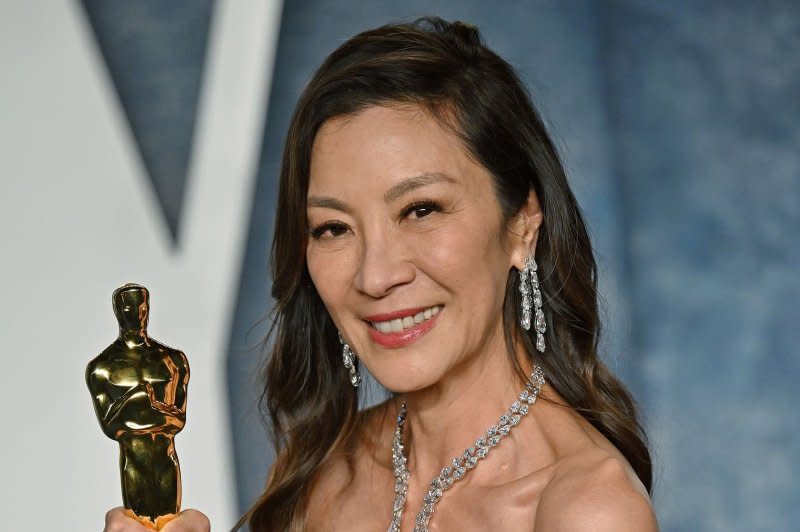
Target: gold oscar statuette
(138, 388)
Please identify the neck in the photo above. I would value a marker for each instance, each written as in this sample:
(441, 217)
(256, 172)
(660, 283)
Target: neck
(445, 419)
(133, 338)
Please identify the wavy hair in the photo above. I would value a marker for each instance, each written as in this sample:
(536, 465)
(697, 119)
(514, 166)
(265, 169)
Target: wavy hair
(444, 68)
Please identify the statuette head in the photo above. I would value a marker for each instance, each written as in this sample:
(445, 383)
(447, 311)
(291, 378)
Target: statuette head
(131, 306)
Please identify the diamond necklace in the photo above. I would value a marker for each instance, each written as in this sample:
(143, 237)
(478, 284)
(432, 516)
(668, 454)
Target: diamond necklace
(460, 465)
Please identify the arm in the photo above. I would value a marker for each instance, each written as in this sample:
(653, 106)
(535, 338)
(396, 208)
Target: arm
(120, 402)
(182, 383)
(139, 411)
(606, 512)
(602, 498)
(174, 402)
(133, 403)
(97, 382)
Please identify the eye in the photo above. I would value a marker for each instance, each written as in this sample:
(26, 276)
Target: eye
(421, 209)
(328, 230)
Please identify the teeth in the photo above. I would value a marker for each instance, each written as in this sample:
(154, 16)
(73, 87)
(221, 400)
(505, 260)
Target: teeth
(383, 326)
(399, 324)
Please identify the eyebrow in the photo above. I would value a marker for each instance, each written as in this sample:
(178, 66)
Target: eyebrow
(328, 203)
(397, 191)
(412, 183)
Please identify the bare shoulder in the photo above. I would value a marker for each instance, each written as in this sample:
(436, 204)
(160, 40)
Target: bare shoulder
(329, 486)
(348, 480)
(329, 491)
(598, 492)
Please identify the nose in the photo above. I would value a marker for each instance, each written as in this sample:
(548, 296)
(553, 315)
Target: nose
(383, 266)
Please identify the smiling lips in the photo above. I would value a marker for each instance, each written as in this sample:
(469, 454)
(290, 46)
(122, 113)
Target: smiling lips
(403, 327)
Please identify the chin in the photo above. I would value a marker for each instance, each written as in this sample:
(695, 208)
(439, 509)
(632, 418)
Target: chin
(405, 379)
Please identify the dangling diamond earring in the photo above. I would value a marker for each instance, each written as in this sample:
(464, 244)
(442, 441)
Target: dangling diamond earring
(529, 286)
(349, 359)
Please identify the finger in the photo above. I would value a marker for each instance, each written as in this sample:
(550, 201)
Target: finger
(118, 521)
(189, 521)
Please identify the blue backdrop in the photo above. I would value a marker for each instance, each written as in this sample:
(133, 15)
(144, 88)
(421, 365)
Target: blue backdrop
(679, 123)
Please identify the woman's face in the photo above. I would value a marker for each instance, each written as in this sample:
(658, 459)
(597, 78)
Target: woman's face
(408, 249)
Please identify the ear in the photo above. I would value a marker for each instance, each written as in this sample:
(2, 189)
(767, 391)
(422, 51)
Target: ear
(524, 231)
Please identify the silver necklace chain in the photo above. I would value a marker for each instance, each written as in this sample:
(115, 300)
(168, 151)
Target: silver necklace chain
(460, 465)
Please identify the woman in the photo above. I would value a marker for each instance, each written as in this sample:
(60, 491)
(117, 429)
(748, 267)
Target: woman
(426, 231)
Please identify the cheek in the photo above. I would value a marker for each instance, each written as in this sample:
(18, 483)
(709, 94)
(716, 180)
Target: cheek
(331, 274)
(466, 259)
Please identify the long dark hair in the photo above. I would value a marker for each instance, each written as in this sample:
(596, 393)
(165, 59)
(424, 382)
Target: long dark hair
(444, 68)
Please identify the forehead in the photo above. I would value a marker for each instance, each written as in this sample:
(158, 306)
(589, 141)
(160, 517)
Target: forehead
(383, 144)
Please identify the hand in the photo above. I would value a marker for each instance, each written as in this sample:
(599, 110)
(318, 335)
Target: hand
(187, 521)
